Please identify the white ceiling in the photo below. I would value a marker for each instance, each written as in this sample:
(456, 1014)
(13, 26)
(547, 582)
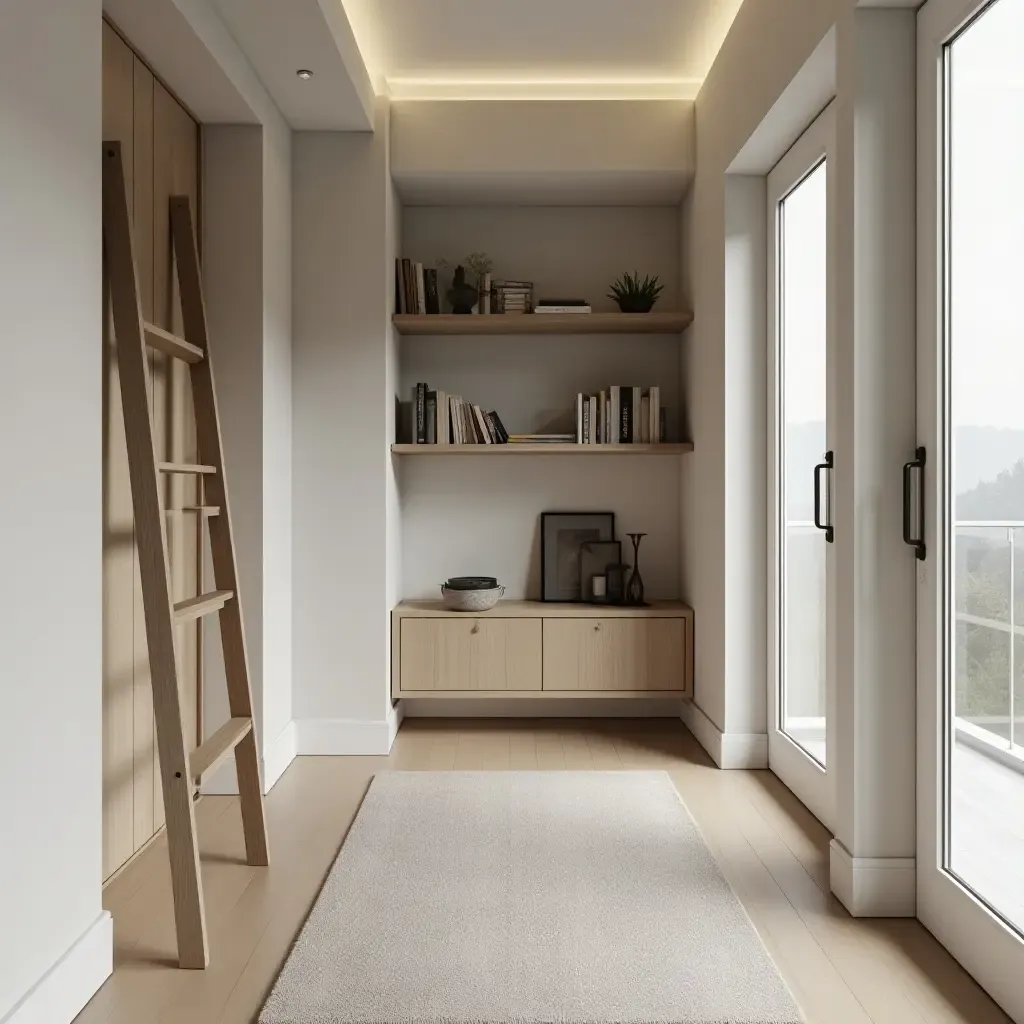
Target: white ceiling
(539, 48)
(279, 38)
(218, 54)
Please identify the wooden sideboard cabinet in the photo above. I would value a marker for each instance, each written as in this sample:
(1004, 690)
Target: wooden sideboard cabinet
(533, 649)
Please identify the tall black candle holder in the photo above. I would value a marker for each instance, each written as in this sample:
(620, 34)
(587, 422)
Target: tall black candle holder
(635, 587)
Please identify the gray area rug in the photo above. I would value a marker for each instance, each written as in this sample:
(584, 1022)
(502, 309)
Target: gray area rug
(527, 898)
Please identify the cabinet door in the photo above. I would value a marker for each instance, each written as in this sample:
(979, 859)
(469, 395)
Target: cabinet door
(470, 654)
(614, 655)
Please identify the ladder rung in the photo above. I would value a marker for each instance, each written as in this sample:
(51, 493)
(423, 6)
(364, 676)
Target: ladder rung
(164, 341)
(203, 510)
(211, 752)
(196, 607)
(184, 467)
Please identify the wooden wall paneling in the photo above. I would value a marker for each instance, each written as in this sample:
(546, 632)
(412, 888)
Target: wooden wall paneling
(160, 143)
(146, 777)
(176, 159)
(118, 528)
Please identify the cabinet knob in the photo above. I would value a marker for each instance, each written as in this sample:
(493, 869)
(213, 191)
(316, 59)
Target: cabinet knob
(597, 628)
(475, 629)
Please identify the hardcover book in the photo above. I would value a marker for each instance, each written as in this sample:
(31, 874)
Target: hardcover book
(433, 301)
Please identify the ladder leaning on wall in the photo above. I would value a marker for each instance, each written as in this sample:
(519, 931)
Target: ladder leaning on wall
(179, 769)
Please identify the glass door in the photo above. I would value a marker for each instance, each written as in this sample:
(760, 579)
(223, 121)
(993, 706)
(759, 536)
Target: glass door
(801, 465)
(971, 423)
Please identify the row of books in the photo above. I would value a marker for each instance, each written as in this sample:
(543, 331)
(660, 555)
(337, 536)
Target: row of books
(620, 415)
(440, 418)
(416, 291)
(415, 288)
(511, 297)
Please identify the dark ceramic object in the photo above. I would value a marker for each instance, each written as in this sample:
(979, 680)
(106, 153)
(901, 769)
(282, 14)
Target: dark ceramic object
(635, 587)
(461, 295)
(471, 583)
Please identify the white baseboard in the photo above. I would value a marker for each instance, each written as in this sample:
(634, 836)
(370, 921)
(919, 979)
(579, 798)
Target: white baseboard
(278, 756)
(727, 749)
(61, 993)
(395, 716)
(273, 764)
(326, 736)
(873, 886)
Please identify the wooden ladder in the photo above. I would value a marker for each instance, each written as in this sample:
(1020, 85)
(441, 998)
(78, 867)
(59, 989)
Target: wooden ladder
(180, 771)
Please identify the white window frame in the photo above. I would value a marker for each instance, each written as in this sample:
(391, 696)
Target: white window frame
(812, 783)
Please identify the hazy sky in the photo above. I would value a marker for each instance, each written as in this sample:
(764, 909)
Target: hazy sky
(987, 268)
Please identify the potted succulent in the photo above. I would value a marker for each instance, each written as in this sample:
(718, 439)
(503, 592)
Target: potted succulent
(634, 295)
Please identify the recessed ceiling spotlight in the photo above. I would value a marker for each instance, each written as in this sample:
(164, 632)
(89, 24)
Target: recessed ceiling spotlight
(304, 74)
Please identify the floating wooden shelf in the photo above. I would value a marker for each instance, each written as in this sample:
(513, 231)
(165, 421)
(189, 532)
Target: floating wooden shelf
(543, 323)
(488, 450)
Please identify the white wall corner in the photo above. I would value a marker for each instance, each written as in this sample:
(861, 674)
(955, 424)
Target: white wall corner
(395, 716)
(873, 886)
(72, 981)
(274, 762)
(728, 750)
(278, 756)
(330, 736)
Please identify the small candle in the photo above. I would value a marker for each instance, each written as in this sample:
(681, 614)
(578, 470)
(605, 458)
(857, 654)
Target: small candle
(599, 586)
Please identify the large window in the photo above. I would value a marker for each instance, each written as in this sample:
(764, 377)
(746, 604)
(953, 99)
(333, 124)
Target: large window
(984, 235)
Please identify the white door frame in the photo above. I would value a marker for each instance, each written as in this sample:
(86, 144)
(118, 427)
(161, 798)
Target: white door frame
(976, 936)
(813, 784)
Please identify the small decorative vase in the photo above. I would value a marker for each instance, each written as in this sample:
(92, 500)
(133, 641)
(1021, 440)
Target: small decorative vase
(461, 295)
(635, 587)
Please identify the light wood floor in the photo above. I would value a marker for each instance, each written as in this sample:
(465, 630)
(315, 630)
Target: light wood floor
(773, 851)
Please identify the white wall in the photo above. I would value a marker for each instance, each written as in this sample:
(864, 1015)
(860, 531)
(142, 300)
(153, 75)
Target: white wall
(342, 290)
(247, 281)
(392, 385)
(50, 524)
(743, 84)
(463, 517)
(233, 289)
(277, 433)
(876, 323)
(543, 151)
(746, 417)
(741, 124)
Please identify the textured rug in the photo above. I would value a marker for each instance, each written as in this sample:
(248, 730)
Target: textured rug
(527, 898)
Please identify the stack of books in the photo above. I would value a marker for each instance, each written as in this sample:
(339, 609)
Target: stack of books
(513, 297)
(441, 418)
(415, 288)
(541, 438)
(562, 306)
(620, 415)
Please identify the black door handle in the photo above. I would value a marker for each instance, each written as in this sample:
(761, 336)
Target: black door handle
(918, 544)
(821, 467)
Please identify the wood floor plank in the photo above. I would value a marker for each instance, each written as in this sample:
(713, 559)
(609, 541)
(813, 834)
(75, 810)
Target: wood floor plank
(550, 755)
(575, 749)
(522, 750)
(841, 970)
(823, 994)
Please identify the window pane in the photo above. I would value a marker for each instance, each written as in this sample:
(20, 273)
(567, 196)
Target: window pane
(802, 305)
(985, 422)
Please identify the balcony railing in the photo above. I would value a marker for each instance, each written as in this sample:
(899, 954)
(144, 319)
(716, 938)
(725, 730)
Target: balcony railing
(994, 731)
(996, 728)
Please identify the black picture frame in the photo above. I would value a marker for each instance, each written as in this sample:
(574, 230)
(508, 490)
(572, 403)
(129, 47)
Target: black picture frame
(595, 557)
(561, 536)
